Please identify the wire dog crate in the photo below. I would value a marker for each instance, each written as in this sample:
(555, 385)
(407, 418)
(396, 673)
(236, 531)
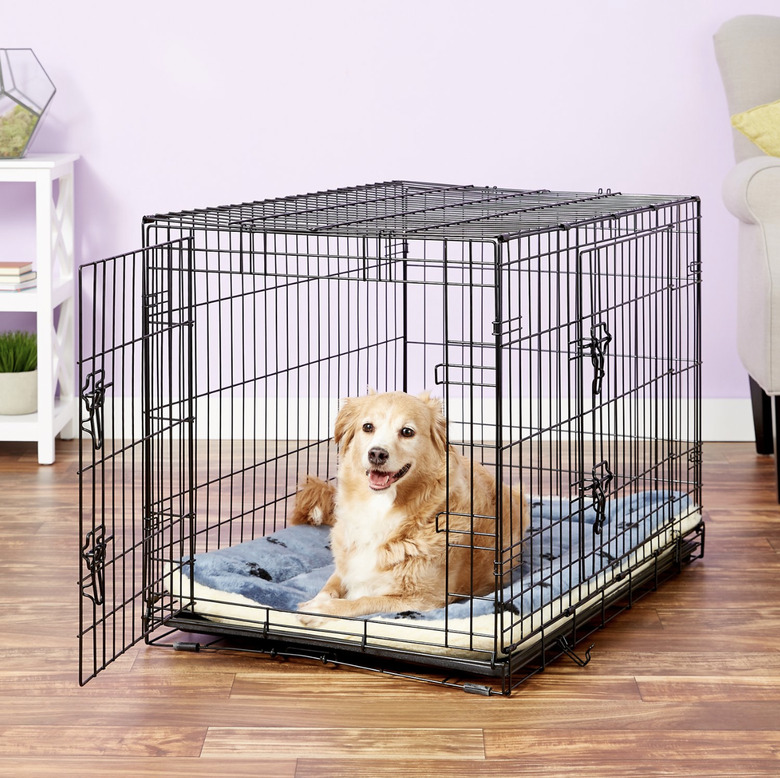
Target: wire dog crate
(560, 329)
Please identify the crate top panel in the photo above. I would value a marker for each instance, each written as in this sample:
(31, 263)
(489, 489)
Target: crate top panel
(422, 210)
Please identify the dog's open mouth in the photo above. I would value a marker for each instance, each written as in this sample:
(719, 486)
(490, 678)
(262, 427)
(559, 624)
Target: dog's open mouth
(379, 479)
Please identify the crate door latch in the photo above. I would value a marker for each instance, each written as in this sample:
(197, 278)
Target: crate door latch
(601, 478)
(93, 396)
(596, 347)
(93, 552)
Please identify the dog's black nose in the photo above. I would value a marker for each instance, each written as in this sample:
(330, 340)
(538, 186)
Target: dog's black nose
(378, 456)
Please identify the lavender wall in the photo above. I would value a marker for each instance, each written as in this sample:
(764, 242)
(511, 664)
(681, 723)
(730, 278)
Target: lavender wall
(186, 103)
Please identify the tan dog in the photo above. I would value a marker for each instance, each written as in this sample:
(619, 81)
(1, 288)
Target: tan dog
(398, 545)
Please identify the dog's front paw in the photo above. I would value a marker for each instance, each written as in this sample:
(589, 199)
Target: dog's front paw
(311, 621)
(316, 603)
(311, 613)
(307, 611)
(308, 615)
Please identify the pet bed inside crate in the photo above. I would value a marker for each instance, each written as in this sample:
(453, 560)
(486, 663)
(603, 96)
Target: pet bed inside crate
(259, 583)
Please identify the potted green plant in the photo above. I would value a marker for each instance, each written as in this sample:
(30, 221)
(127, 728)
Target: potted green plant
(18, 373)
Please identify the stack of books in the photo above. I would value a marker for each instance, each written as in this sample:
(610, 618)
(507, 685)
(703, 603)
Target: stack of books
(16, 276)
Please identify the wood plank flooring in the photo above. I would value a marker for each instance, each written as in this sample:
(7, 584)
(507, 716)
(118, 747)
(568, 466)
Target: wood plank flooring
(687, 683)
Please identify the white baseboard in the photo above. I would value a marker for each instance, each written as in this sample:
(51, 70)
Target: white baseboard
(726, 420)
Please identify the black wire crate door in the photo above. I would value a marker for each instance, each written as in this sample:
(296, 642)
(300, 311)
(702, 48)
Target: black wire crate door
(636, 357)
(135, 359)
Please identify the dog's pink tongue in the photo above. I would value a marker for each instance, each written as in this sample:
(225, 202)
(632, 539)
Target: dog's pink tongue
(379, 480)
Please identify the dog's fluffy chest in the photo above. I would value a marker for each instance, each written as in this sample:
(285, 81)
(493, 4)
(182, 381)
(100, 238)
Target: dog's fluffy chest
(365, 529)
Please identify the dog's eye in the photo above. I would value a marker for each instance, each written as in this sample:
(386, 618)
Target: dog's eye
(407, 432)
(368, 427)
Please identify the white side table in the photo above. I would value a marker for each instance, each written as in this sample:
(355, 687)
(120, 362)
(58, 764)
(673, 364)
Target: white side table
(54, 263)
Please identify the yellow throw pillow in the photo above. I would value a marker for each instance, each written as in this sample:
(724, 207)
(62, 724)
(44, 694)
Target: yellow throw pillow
(762, 125)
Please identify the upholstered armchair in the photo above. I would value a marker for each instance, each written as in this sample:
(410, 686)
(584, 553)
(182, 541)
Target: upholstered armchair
(747, 49)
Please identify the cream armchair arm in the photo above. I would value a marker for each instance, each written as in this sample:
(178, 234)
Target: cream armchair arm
(751, 192)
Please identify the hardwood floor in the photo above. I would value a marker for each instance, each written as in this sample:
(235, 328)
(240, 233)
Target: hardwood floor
(687, 683)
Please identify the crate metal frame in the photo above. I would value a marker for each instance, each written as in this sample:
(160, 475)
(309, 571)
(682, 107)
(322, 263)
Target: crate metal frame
(561, 329)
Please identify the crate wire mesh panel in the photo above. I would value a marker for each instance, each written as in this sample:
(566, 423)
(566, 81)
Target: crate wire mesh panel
(560, 329)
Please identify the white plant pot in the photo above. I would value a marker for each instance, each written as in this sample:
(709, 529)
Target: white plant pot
(18, 393)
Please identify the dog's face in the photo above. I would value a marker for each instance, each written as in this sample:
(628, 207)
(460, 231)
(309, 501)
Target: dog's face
(392, 439)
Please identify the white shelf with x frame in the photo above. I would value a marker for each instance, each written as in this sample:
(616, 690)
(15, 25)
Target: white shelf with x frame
(52, 300)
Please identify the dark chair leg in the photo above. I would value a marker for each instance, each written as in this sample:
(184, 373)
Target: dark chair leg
(766, 422)
(762, 419)
(776, 426)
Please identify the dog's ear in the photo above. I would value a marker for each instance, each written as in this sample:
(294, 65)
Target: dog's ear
(439, 422)
(344, 430)
(434, 403)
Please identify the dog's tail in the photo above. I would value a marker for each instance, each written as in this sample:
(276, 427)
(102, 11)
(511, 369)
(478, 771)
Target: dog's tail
(521, 519)
(525, 514)
(315, 503)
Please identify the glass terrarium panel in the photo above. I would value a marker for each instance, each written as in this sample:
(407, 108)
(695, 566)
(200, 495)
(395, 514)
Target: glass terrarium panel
(17, 124)
(25, 92)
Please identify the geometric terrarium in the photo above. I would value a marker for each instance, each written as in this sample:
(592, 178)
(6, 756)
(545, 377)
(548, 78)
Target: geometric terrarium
(25, 92)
